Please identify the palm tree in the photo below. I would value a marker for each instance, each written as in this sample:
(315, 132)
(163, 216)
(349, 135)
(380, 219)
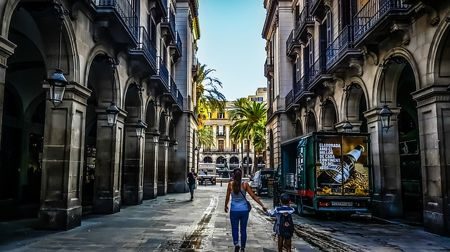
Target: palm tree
(249, 120)
(205, 137)
(208, 96)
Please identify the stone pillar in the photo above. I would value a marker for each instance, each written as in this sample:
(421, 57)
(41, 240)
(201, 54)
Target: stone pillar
(62, 163)
(6, 50)
(433, 109)
(151, 165)
(386, 179)
(133, 168)
(176, 170)
(163, 153)
(109, 144)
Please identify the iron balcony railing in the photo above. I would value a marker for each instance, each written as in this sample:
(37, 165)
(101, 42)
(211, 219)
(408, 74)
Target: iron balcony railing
(145, 45)
(316, 69)
(300, 86)
(268, 66)
(209, 150)
(173, 89)
(180, 99)
(304, 18)
(125, 11)
(290, 43)
(343, 41)
(163, 73)
(289, 99)
(372, 12)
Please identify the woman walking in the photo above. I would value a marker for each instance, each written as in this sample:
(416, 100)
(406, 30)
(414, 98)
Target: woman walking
(240, 208)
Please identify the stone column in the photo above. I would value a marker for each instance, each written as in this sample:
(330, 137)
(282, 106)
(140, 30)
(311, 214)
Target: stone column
(386, 180)
(163, 153)
(151, 165)
(433, 109)
(62, 163)
(109, 144)
(133, 169)
(6, 50)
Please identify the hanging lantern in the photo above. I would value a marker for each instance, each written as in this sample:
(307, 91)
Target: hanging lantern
(175, 145)
(112, 113)
(347, 126)
(58, 85)
(140, 128)
(385, 116)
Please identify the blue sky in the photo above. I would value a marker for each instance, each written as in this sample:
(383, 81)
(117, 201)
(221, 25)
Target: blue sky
(231, 43)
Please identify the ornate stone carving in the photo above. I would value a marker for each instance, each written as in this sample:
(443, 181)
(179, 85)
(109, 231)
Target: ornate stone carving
(403, 29)
(370, 53)
(357, 66)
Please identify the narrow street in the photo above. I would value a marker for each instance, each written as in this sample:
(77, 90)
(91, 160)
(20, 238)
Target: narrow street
(172, 223)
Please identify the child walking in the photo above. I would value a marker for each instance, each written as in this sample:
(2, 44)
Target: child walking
(284, 226)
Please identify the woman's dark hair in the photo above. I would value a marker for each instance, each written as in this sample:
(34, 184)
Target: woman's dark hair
(237, 180)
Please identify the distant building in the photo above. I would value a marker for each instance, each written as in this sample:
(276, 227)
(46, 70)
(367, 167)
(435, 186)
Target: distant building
(227, 153)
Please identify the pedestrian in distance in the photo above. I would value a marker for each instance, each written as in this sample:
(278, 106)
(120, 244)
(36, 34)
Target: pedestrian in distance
(284, 226)
(191, 179)
(240, 208)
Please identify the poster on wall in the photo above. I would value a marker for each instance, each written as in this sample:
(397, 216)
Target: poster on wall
(342, 165)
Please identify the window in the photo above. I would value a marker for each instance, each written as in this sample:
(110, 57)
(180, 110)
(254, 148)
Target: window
(220, 130)
(209, 115)
(234, 147)
(221, 145)
(329, 23)
(221, 115)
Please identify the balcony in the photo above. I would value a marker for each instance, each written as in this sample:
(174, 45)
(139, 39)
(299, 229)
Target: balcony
(168, 27)
(268, 67)
(292, 45)
(180, 99)
(162, 75)
(304, 22)
(340, 50)
(220, 150)
(317, 72)
(372, 22)
(220, 134)
(145, 51)
(120, 17)
(173, 90)
(318, 8)
(177, 47)
(289, 100)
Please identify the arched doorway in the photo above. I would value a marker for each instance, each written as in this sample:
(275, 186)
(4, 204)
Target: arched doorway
(207, 160)
(328, 116)
(311, 124)
(101, 180)
(24, 109)
(399, 79)
(132, 172)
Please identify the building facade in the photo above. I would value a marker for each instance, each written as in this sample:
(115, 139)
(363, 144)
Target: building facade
(61, 161)
(333, 62)
(226, 152)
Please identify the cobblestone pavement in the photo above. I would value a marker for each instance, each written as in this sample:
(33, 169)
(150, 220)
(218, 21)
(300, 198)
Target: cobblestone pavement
(168, 223)
(172, 223)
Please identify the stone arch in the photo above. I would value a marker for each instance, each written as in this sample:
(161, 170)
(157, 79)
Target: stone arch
(311, 122)
(69, 58)
(389, 71)
(100, 81)
(101, 51)
(220, 160)
(234, 160)
(329, 115)
(208, 160)
(354, 104)
(439, 51)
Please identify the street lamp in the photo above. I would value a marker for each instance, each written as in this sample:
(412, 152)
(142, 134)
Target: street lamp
(140, 128)
(175, 145)
(57, 80)
(385, 115)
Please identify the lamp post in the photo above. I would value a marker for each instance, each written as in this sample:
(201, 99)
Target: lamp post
(175, 146)
(57, 80)
(197, 149)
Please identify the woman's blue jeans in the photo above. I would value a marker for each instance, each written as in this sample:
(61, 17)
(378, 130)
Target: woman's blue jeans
(239, 219)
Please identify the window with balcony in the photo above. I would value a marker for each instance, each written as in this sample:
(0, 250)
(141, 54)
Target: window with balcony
(220, 130)
(152, 30)
(221, 115)
(234, 147)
